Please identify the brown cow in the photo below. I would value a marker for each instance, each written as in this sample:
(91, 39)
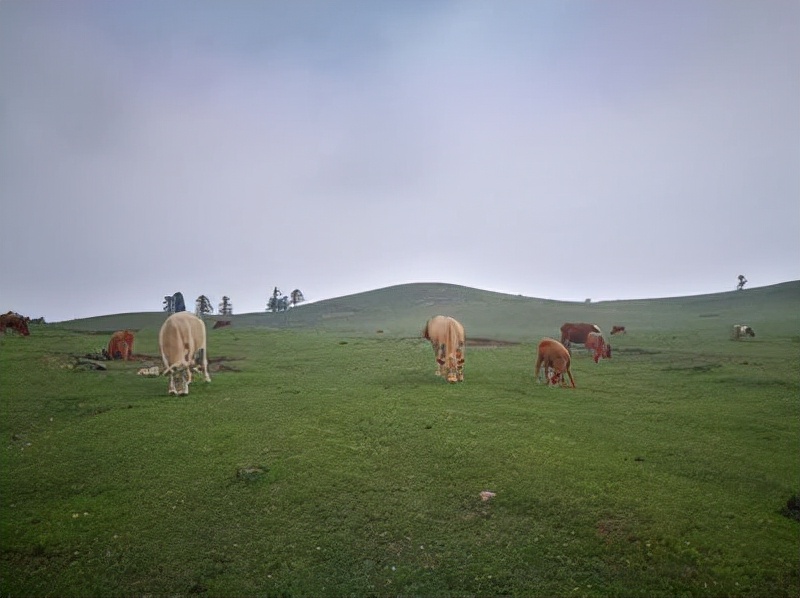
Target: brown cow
(14, 321)
(121, 345)
(577, 333)
(221, 323)
(597, 345)
(553, 356)
(617, 330)
(181, 339)
(447, 337)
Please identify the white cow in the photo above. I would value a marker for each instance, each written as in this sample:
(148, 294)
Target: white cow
(742, 330)
(181, 338)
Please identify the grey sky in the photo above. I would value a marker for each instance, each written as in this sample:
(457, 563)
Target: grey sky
(558, 149)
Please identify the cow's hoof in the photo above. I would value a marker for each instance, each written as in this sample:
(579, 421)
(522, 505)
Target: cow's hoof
(174, 393)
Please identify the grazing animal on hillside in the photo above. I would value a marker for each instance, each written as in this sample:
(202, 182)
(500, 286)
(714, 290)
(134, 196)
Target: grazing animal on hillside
(121, 345)
(577, 333)
(741, 331)
(181, 339)
(597, 345)
(555, 359)
(14, 321)
(447, 338)
(617, 330)
(221, 323)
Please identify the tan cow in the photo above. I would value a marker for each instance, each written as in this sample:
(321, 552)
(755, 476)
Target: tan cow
(553, 356)
(181, 338)
(597, 345)
(447, 338)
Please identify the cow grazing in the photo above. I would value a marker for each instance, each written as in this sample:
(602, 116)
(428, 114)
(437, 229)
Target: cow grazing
(742, 331)
(121, 345)
(617, 330)
(577, 333)
(555, 359)
(221, 323)
(14, 321)
(447, 338)
(181, 339)
(597, 345)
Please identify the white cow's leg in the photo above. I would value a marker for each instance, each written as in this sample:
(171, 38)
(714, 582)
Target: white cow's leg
(172, 389)
(185, 379)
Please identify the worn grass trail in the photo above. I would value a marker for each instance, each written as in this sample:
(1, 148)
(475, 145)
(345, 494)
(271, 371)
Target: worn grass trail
(327, 464)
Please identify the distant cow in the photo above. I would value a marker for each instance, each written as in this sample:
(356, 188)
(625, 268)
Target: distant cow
(742, 330)
(121, 345)
(597, 345)
(617, 330)
(577, 333)
(447, 337)
(14, 321)
(182, 339)
(221, 323)
(555, 359)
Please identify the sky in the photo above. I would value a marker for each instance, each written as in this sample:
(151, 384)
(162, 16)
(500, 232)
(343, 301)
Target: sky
(560, 149)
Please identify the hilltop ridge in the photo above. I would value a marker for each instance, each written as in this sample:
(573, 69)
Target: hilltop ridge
(401, 310)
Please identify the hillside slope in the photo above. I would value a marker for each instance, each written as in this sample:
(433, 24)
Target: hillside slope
(401, 311)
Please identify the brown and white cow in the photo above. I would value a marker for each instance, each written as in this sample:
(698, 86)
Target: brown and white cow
(577, 333)
(597, 345)
(617, 330)
(121, 345)
(555, 359)
(181, 339)
(15, 322)
(741, 331)
(448, 340)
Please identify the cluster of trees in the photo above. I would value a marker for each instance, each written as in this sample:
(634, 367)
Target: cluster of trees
(282, 303)
(202, 305)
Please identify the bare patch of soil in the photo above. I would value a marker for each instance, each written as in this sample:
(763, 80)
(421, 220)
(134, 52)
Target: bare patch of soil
(489, 342)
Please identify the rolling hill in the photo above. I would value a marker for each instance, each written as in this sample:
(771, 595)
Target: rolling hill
(400, 311)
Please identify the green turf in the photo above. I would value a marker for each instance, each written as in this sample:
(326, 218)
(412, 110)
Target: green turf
(326, 458)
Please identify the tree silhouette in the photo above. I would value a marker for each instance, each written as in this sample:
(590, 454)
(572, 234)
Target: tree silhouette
(274, 302)
(297, 297)
(742, 282)
(169, 304)
(226, 307)
(203, 306)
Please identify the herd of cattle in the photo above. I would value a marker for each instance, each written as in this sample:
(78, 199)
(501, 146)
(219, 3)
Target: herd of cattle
(182, 344)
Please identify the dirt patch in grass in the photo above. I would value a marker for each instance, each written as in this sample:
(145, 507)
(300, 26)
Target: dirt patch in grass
(792, 508)
(489, 342)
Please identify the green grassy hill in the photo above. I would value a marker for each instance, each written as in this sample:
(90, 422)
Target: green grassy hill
(401, 311)
(327, 459)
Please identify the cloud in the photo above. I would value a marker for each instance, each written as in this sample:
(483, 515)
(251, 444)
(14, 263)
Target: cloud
(551, 149)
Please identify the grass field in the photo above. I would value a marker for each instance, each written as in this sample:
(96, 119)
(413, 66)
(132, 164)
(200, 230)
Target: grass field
(326, 459)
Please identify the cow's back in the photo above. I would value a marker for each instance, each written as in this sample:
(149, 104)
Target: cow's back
(180, 337)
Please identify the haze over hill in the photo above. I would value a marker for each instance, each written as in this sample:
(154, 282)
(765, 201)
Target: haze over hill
(222, 148)
(402, 310)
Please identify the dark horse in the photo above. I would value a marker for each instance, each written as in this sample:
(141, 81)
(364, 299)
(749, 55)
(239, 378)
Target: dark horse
(15, 322)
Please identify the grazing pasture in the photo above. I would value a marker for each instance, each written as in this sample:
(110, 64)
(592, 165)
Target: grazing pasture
(327, 459)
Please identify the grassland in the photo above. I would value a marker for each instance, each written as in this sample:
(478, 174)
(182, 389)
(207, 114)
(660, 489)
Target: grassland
(326, 459)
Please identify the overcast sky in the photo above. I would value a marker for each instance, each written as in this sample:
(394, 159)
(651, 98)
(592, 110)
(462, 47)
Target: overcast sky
(561, 149)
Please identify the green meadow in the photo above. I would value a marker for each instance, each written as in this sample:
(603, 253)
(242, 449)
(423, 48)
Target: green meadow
(325, 458)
